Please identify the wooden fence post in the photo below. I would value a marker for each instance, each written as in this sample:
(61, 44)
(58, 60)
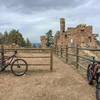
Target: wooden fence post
(66, 54)
(57, 50)
(54, 49)
(77, 54)
(51, 59)
(2, 55)
(61, 52)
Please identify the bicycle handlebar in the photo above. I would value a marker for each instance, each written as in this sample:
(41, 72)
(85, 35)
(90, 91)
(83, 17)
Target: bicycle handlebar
(15, 52)
(94, 61)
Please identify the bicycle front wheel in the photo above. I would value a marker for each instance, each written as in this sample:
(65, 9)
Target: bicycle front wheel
(19, 67)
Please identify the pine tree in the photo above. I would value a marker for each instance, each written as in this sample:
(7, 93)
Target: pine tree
(49, 38)
(5, 38)
(1, 38)
(16, 37)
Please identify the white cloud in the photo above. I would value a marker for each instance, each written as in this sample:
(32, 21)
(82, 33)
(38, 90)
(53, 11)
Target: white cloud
(38, 22)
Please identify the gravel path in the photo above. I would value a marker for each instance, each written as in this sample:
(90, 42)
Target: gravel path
(64, 83)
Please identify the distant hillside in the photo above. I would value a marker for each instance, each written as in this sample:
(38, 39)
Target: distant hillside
(37, 44)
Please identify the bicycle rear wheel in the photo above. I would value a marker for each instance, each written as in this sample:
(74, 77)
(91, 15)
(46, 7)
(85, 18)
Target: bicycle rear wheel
(98, 86)
(19, 67)
(90, 75)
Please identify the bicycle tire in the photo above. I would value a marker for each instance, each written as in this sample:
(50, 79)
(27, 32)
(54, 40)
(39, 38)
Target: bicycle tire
(3, 69)
(89, 75)
(98, 91)
(97, 94)
(14, 63)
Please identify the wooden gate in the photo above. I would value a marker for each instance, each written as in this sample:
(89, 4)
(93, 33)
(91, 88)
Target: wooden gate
(28, 53)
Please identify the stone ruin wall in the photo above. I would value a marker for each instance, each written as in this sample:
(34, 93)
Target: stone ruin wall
(80, 35)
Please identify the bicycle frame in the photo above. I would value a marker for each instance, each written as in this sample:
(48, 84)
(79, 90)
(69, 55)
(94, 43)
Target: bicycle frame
(95, 68)
(11, 59)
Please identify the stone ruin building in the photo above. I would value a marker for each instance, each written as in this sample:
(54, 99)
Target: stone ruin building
(80, 35)
(43, 41)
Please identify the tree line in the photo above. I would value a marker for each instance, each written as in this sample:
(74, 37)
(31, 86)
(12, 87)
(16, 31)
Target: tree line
(14, 36)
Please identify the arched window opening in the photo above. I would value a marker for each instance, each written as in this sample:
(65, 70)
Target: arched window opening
(72, 43)
(90, 39)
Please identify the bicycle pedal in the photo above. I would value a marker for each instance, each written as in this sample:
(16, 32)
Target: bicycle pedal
(0, 68)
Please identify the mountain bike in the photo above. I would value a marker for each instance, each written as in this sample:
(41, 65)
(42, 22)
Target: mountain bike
(18, 66)
(93, 73)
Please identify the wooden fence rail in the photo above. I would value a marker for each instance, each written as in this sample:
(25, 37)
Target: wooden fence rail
(59, 52)
(29, 50)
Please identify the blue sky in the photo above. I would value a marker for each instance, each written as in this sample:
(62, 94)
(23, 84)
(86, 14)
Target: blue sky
(34, 18)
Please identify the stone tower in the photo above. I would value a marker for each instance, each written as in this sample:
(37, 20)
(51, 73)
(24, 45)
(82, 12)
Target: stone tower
(43, 41)
(62, 25)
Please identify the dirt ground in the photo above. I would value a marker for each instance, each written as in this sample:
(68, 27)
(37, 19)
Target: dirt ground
(64, 83)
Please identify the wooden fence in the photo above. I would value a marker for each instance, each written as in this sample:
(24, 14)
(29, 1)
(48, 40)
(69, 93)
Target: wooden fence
(64, 52)
(29, 51)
